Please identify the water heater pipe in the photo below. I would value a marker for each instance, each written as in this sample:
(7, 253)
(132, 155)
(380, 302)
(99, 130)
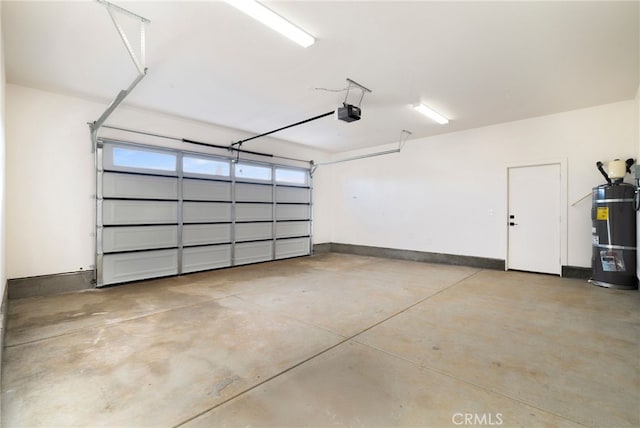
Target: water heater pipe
(603, 172)
(629, 162)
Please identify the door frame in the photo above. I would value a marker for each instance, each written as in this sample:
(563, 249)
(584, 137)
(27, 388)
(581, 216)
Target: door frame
(564, 206)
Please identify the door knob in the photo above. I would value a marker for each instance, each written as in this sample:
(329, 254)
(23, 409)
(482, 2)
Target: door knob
(512, 223)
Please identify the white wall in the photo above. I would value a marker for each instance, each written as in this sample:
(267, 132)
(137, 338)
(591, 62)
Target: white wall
(442, 194)
(447, 194)
(638, 161)
(51, 179)
(3, 271)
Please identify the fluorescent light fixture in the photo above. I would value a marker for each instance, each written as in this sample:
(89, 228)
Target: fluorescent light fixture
(274, 21)
(429, 112)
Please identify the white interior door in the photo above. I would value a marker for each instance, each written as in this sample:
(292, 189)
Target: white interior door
(534, 219)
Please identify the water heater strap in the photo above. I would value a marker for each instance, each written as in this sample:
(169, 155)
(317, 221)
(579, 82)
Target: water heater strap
(614, 247)
(601, 201)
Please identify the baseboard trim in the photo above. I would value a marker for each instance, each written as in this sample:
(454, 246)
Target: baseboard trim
(576, 272)
(322, 248)
(416, 256)
(47, 285)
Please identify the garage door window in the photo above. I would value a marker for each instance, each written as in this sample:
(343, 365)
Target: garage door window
(251, 172)
(135, 159)
(192, 165)
(294, 177)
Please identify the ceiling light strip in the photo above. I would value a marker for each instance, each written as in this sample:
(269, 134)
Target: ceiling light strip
(274, 21)
(431, 113)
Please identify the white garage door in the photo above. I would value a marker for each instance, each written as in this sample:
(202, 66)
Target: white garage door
(163, 212)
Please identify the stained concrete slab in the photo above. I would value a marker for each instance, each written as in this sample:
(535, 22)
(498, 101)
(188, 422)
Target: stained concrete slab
(324, 340)
(153, 371)
(548, 342)
(428, 275)
(358, 386)
(36, 318)
(343, 303)
(330, 292)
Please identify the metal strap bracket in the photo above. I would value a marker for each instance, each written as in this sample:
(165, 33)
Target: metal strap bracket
(353, 84)
(138, 62)
(404, 134)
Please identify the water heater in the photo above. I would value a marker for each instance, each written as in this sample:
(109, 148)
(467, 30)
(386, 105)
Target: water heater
(613, 214)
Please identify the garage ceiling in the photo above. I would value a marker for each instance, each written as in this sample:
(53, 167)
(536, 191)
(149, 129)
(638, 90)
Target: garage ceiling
(479, 63)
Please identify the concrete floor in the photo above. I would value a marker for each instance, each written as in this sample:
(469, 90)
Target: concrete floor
(329, 340)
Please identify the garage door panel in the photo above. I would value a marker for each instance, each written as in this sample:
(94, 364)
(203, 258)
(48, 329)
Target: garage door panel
(253, 193)
(289, 229)
(166, 211)
(206, 190)
(293, 247)
(116, 212)
(253, 252)
(204, 258)
(206, 212)
(125, 267)
(131, 238)
(254, 212)
(297, 195)
(253, 231)
(135, 186)
(202, 234)
(292, 212)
